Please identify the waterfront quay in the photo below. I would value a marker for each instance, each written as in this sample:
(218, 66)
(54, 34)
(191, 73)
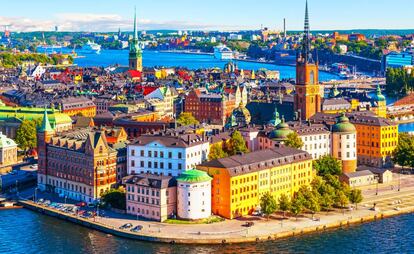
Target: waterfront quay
(390, 202)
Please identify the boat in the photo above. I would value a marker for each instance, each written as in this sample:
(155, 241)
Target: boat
(6, 205)
(222, 52)
(91, 47)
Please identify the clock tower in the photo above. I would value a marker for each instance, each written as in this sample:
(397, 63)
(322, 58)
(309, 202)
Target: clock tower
(307, 99)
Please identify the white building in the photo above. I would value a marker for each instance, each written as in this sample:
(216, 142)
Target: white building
(222, 52)
(344, 143)
(316, 139)
(167, 154)
(194, 195)
(166, 96)
(235, 37)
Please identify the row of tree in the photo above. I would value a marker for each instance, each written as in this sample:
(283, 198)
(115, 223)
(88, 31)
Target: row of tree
(399, 81)
(11, 60)
(325, 192)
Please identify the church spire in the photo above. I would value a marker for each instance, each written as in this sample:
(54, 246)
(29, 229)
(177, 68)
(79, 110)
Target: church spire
(46, 127)
(306, 43)
(135, 24)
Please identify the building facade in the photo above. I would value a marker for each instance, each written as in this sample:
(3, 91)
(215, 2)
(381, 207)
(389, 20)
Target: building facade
(239, 181)
(167, 154)
(8, 151)
(151, 196)
(194, 195)
(76, 164)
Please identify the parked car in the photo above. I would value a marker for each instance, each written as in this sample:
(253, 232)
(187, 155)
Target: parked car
(137, 228)
(248, 224)
(126, 226)
(81, 204)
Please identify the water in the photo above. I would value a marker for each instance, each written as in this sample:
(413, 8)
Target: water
(191, 61)
(23, 231)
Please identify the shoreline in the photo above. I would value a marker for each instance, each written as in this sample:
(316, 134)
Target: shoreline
(212, 239)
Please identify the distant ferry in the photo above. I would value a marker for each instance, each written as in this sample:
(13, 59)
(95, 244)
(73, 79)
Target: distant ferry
(91, 47)
(48, 49)
(222, 52)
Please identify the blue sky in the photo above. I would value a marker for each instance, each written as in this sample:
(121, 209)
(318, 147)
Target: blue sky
(108, 15)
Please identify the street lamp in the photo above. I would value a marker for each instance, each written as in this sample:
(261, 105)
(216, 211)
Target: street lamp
(34, 196)
(399, 180)
(377, 180)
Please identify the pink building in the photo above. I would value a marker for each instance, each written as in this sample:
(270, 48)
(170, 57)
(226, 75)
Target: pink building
(151, 196)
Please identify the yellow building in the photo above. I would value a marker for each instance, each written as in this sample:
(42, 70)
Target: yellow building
(239, 181)
(377, 138)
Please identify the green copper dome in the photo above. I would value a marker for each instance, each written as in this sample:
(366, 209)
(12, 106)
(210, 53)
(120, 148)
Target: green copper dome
(281, 132)
(194, 176)
(343, 125)
(378, 95)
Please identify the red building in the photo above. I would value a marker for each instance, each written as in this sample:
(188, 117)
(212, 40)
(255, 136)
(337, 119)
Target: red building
(209, 107)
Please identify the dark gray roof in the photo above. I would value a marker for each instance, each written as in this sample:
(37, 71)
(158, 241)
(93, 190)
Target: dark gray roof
(259, 160)
(151, 180)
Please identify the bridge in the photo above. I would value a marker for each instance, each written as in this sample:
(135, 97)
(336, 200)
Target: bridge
(361, 83)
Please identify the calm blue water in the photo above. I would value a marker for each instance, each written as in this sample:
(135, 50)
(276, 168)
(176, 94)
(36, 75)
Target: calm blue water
(191, 61)
(23, 231)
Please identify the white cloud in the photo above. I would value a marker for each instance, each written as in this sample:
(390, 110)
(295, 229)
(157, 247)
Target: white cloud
(101, 22)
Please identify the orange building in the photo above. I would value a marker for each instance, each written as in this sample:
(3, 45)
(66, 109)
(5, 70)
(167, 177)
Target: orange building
(239, 181)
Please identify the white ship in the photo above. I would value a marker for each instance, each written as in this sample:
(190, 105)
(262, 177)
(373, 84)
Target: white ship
(91, 47)
(223, 52)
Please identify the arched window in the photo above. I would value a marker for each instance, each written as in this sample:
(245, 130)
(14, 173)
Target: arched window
(312, 78)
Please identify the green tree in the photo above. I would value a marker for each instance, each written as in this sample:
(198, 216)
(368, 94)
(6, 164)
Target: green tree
(284, 204)
(297, 205)
(268, 204)
(327, 165)
(186, 118)
(216, 152)
(311, 199)
(115, 198)
(341, 200)
(404, 153)
(293, 140)
(26, 135)
(236, 144)
(355, 197)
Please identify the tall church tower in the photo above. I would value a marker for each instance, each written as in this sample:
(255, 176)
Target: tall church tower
(308, 97)
(135, 53)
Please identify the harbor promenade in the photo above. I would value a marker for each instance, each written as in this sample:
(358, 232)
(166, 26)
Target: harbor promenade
(389, 203)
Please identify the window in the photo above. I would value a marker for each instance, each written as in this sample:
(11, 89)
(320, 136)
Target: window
(169, 165)
(180, 155)
(149, 153)
(132, 163)
(180, 166)
(132, 152)
(170, 155)
(155, 154)
(162, 154)
(142, 153)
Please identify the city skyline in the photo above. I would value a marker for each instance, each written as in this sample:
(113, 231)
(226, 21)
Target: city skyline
(109, 16)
